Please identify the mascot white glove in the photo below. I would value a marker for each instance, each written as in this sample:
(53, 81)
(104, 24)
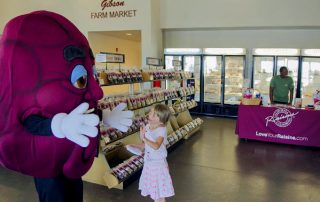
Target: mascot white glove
(117, 118)
(76, 125)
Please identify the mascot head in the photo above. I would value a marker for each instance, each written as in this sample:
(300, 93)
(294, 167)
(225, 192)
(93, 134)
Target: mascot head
(47, 67)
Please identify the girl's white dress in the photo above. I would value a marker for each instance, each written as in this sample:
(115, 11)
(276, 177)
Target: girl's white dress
(155, 179)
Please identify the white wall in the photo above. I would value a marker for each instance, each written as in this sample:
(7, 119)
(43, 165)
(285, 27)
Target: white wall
(239, 13)
(79, 12)
(245, 23)
(269, 38)
(103, 43)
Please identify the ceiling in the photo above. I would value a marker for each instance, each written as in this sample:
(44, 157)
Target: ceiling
(136, 34)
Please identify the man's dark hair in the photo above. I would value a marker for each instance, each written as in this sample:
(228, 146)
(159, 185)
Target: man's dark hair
(283, 68)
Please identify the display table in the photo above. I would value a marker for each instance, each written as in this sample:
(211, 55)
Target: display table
(280, 125)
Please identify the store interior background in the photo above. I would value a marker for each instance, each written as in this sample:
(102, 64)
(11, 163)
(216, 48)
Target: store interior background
(188, 24)
(161, 24)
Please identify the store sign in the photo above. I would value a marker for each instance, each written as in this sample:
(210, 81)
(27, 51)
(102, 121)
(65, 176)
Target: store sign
(153, 61)
(281, 117)
(176, 63)
(105, 13)
(110, 58)
(111, 3)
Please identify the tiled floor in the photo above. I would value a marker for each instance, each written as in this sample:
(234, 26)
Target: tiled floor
(213, 165)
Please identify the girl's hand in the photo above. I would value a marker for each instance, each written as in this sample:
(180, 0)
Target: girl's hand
(142, 132)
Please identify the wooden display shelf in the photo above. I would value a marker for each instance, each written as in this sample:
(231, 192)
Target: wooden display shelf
(122, 137)
(192, 132)
(101, 170)
(101, 173)
(159, 102)
(114, 158)
(144, 81)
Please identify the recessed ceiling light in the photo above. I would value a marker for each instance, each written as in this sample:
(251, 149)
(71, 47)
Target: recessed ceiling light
(128, 34)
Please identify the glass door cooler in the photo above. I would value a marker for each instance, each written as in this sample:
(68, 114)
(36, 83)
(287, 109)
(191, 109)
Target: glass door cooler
(212, 79)
(234, 79)
(223, 81)
(310, 79)
(192, 64)
(262, 74)
(267, 63)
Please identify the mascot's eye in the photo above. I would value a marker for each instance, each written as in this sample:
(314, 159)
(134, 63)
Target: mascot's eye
(95, 73)
(79, 77)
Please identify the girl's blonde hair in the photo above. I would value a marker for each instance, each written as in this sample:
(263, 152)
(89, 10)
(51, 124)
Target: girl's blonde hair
(163, 112)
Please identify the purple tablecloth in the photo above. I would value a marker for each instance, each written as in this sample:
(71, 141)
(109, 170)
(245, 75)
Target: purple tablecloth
(282, 125)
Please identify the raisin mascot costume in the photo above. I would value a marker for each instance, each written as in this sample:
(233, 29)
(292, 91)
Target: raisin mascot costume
(47, 85)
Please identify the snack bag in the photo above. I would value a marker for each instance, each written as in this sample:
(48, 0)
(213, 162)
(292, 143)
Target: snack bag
(248, 93)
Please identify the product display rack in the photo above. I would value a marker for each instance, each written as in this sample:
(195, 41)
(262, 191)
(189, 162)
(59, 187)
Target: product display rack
(115, 167)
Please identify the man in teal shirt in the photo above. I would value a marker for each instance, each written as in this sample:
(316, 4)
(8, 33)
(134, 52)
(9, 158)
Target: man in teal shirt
(280, 87)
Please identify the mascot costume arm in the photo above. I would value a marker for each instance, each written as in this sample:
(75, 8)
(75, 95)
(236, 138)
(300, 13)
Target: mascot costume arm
(47, 80)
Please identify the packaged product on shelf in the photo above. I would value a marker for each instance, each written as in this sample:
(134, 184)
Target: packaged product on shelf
(116, 101)
(317, 106)
(192, 124)
(183, 131)
(103, 77)
(110, 78)
(112, 134)
(119, 133)
(142, 100)
(140, 159)
(134, 102)
(132, 165)
(170, 139)
(172, 110)
(130, 106)
(179, 134)
(120, 78)
(137, 77)
(186, 127)
(147, 99)
(137, 162)
(128, 169)
(129, 130)
(316, 97)
(133, 75)
(156, 75)
(105, 136)
(139, 103)
(111, 103)
(116, 172)
(140, 76)
(170, 75)
(125, 76)
(248, 93)
(199, 121)
(115, 78)
(124, 173)
(175, 137)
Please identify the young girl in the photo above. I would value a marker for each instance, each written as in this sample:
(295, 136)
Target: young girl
(155, 179)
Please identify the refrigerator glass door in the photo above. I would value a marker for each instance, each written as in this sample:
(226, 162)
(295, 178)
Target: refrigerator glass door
(212, 79)
(171, 84)
(292, 63)
(234, 66)
(193, 64)
(169, 61)
(310, 79)
(263, 71)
